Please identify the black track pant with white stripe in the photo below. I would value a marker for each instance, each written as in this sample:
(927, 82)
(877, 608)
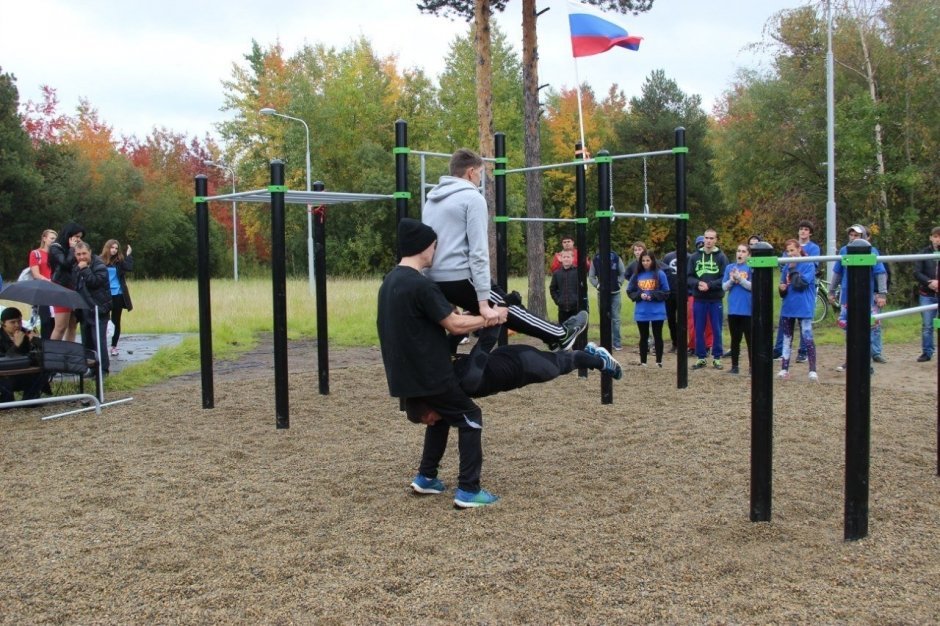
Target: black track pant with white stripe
(462, 294)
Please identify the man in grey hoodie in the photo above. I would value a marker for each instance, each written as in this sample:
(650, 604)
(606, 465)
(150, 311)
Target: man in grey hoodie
(457, 212)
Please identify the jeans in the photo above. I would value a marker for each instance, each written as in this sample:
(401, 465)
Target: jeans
(875, 333)
(713, 311)
(927, 332)
(778, 344)
(806, 334)
(615, 303)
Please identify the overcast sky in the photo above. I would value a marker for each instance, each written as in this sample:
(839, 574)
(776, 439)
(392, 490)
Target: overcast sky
(160, 63)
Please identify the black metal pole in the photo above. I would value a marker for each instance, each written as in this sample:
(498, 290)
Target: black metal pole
(501, 219)
(859, 262)
(205, 308)
(401, 171)
(936, 324)
(603, 161)
(682, 258)
(402, 195)
(764, 262)
(319, 250)
(580, 185)
(279, 295)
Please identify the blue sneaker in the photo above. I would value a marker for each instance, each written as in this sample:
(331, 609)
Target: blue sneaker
(611, 366)
(427, 486)
(466, 500)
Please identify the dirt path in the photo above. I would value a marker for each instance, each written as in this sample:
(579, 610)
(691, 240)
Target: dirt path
(160, 511)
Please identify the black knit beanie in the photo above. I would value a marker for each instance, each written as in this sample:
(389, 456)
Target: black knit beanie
(414, 237)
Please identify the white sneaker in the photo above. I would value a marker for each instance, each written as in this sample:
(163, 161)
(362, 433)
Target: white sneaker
(783, 374)
(814, 377)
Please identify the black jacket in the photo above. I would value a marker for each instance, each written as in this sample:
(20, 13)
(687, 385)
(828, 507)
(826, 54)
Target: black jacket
(62, 256)
(125, 266)
(92, 283)
(926, 270)
(708, 267)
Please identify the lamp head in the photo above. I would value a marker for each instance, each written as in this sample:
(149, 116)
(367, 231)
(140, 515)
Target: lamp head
(267, 111)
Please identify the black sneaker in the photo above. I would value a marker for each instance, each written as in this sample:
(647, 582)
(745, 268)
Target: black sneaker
(879, 359)
(923, 358)
(573, 326)
(801, 358)
(734, 370)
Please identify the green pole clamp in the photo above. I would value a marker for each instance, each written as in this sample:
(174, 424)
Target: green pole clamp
(401, 150)
(581, 220)
(500, 219)
(603, 214)
(859, 260)
(402, 194)
(683, 216)
(603, 159)
(198, 199)
(680, 150)
(762, 261)
(501, 160)
(936, 323)
(277, 188)
(498, 172)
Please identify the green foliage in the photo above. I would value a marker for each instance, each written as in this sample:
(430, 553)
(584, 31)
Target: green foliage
(19, 182)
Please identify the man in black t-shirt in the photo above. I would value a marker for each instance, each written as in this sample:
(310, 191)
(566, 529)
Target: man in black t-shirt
(413, 315)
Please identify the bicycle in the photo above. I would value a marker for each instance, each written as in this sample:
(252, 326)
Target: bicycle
(823, 301)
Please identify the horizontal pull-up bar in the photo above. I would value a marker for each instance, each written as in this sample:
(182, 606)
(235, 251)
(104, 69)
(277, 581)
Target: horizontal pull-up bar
(298, 197)
(616, 157)
(654, 216)
(832, 258)
(500, 218)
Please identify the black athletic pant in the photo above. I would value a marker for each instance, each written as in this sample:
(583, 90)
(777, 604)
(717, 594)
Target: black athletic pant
(739, 326)
(644, 328)
(117, 306)
(486, 370)
(462, 294)
(459, 411)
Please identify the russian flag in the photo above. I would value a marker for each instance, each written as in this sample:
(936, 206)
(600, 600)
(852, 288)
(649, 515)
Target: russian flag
(593, 33)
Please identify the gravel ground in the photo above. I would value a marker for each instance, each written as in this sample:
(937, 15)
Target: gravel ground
(634, 512)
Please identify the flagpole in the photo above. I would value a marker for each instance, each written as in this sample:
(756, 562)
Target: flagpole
(577, 79)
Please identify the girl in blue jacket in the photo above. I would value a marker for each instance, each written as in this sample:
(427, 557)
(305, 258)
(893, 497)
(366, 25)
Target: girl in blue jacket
(797, 288)
(737, 282)
(649, 288)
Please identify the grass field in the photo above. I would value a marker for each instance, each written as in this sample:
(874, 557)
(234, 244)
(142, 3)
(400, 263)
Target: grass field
(242, 310)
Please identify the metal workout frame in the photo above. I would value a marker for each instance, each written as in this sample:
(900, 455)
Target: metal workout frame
(859, 262)
(278, 196)
(604, 214)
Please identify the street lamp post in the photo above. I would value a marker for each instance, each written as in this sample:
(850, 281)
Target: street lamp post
(231, 171)
(310, 274)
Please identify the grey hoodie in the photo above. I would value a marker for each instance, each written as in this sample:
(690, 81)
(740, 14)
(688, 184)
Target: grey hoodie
(456, 211)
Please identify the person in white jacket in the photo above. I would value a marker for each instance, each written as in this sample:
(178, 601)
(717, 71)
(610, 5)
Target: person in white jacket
(457, 212)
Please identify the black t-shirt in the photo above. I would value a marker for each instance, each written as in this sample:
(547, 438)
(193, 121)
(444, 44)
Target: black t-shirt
(415, 350)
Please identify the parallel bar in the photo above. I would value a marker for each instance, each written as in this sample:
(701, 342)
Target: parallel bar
(640, 155)
(891, 258)
(903, 312)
